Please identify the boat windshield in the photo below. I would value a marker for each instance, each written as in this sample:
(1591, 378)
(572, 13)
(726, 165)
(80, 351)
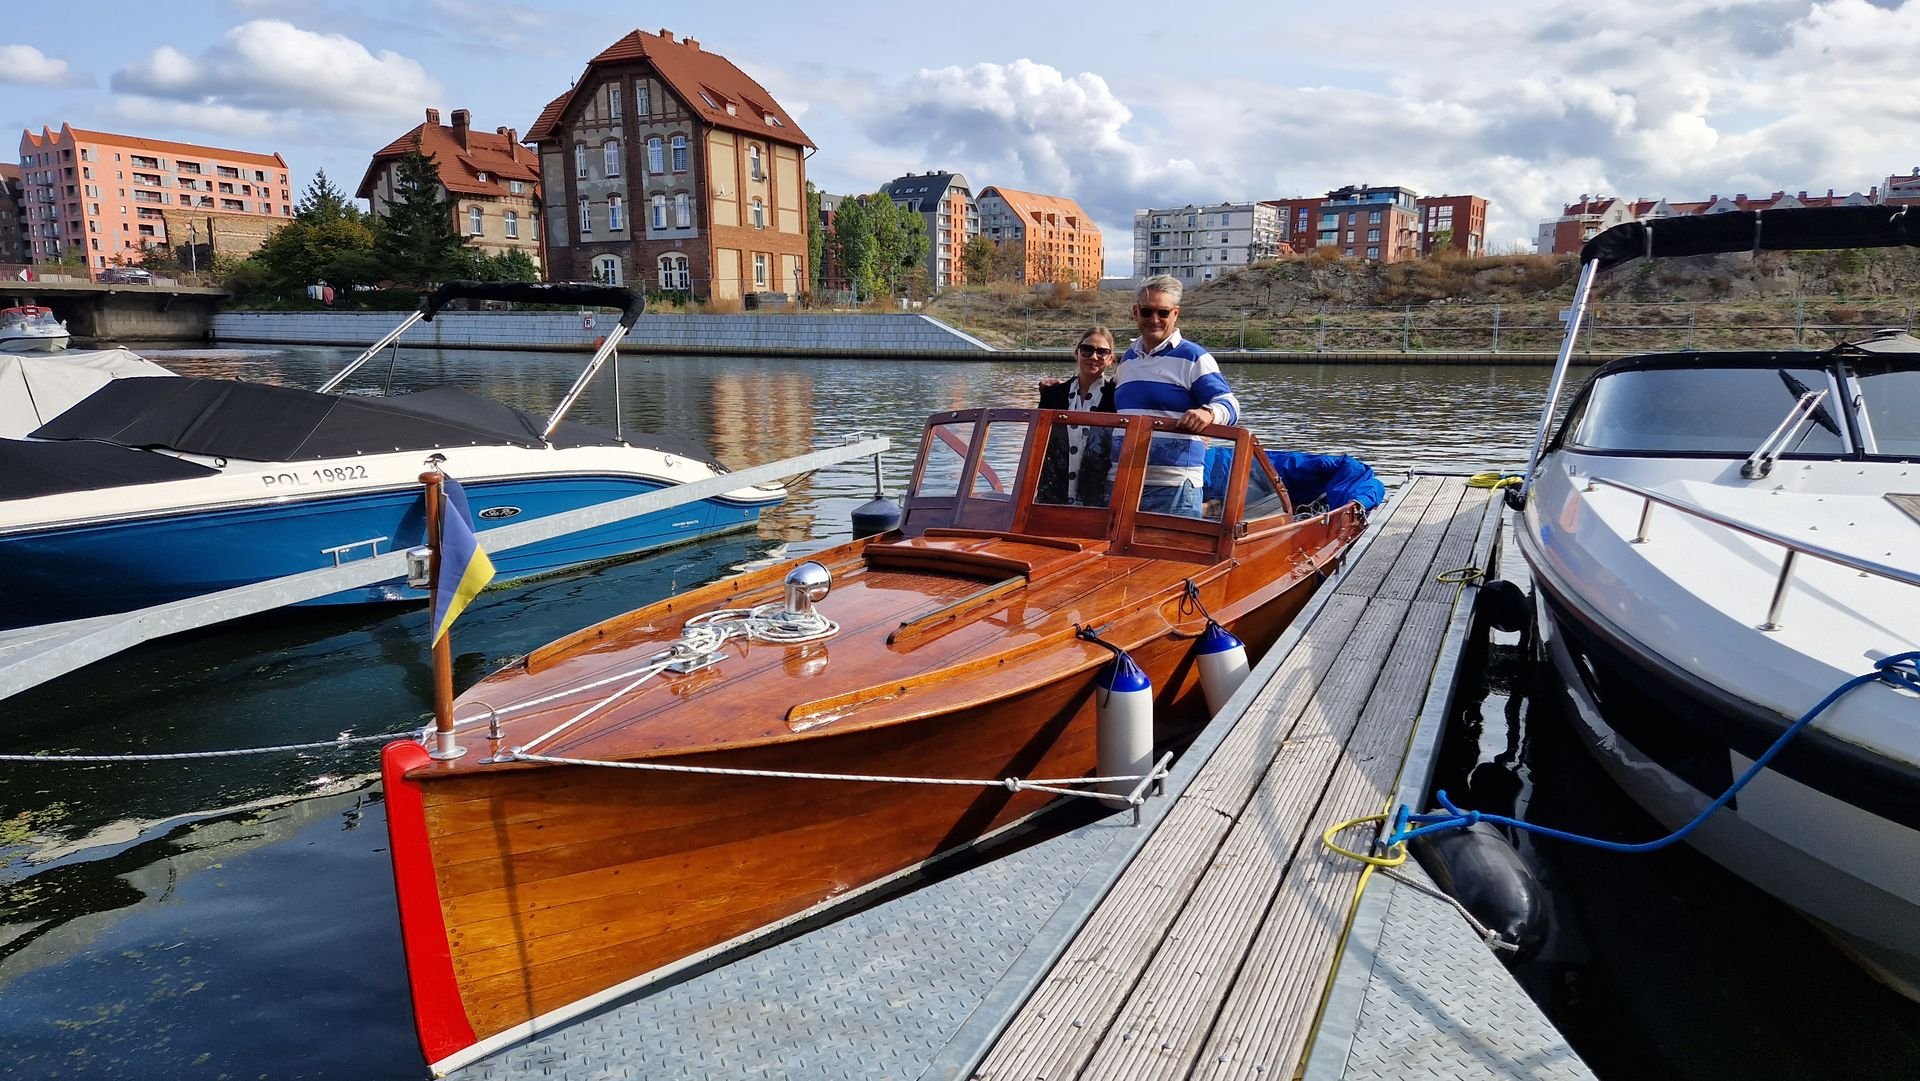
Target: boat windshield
(1703, 411)
(1890, 402)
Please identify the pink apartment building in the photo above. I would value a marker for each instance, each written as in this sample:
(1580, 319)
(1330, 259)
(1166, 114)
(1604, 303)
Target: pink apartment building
(105, 196)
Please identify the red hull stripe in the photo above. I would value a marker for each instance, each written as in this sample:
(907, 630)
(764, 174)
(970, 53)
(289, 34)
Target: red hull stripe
(438, 1015)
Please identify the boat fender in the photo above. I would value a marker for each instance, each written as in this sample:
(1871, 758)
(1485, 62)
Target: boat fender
(1124, 737)
(1505, 605)
(874, 517)
(1223, 665)
(1479, 868)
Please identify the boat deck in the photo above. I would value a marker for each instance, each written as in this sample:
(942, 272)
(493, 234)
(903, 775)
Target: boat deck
(1217, 938)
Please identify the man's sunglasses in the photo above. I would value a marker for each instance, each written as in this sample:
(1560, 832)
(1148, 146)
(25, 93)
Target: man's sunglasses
(1092, 351)
(1163, 313)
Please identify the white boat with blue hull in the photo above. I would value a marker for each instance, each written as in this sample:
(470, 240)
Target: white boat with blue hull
(1718, 541)
(154, 490)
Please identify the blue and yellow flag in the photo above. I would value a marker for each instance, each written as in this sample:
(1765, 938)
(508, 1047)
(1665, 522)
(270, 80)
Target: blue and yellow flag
(465, 569)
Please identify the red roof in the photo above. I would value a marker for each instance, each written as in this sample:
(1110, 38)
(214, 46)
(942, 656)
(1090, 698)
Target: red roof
(707, 83)
(488, 153)
(160, 146)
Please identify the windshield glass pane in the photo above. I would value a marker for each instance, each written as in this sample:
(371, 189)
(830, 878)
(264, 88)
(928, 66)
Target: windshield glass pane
(1000, 464)
(945, 454)
(1704, 411)
(1892, 397)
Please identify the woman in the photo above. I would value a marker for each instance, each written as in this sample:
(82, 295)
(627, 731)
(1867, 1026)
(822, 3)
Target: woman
(1078, 459)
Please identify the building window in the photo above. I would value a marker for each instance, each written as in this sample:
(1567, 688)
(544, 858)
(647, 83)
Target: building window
(614, 223)
(586, 215)
(759, 214)
(683, 211)
(673, 272)
(679, 153)
(516, 187)
(1373, 253)
(474, 218)
(753, 163)
(580, 160)
(607, 269)
(512, 223)
(760, 269)
(656, 159)
(641, 102)
(610, 156)
(659, 212)
(613, 100)
(1373, 236)
(1373, 217)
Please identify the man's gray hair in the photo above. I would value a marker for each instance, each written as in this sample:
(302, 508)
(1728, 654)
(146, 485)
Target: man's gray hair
(1160, 283)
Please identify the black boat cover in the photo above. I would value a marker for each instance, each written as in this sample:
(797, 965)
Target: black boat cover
(29, 469)
(262, 423)
(1793, 229)
(630, 303)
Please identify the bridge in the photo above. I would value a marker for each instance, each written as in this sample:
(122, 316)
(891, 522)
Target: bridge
(102, 313)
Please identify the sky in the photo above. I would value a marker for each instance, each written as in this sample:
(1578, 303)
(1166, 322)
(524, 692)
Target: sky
(1119, 106)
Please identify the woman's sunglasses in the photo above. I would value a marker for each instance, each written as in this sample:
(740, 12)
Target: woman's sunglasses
(1092, 351)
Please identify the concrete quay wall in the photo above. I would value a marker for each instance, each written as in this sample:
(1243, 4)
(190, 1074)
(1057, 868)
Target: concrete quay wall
(891, 335)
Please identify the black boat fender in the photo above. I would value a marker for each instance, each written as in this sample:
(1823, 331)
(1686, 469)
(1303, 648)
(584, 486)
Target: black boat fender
(1479, 868)
(1504, 605)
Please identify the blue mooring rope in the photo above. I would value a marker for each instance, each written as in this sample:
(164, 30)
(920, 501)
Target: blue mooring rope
(1902, 669)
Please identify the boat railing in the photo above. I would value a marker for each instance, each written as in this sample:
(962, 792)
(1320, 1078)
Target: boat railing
(1794, 548)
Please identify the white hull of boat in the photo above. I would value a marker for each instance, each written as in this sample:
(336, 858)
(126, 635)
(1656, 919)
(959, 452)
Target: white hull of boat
(35, 343)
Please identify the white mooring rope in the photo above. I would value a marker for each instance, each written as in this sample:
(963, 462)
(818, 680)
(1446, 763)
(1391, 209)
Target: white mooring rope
(178, 756)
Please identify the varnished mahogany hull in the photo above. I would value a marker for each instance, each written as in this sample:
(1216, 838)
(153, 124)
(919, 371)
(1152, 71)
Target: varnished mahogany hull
(542, 891)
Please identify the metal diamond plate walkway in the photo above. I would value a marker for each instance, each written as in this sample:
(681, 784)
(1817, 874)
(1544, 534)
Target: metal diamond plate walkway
(1209, 941)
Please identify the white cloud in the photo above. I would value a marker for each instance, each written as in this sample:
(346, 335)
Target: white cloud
(28, 66)
(138, 112)
(1529, 107)
(269, 64)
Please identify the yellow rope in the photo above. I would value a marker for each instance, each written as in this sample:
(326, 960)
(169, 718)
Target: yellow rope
(1371, 861)
(1494, 479)
(1460, 576)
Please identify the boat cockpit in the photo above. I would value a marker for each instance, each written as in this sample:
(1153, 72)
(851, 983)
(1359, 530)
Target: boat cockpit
(1084, 476)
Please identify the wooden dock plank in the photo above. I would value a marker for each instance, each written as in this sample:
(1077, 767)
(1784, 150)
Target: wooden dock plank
(1210, 953)
(1098, 969)
(1265, 1022)
(1457, 549)
(1164, 1022)
(1362, 579)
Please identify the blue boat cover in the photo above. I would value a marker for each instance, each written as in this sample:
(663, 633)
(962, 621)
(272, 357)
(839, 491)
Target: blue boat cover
(1338, 479)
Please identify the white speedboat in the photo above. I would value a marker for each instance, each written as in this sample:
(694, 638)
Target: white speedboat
(31, 329)
(1718, 541)
(155, 490)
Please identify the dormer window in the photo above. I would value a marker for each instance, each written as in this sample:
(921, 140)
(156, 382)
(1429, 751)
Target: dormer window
(708, 98)
(773, 121)
(731, 111)
(482, 177)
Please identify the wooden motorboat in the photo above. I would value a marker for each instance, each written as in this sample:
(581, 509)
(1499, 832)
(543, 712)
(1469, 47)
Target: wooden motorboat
(537, 879)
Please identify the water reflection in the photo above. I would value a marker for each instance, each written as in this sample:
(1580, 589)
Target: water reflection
(102, 958)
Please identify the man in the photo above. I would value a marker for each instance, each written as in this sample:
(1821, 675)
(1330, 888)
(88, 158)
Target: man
(1165, 375)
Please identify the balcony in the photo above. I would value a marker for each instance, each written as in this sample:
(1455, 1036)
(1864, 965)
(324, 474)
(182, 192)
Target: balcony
(148, 196)
(142, 162)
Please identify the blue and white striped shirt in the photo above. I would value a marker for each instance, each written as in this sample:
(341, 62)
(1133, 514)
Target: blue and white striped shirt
(1173, 377)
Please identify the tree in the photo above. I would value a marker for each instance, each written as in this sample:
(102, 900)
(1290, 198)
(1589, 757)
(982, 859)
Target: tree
(1009, 260)
(322, 202)
(158, 259)
(1441, 241)
(977, 260)
(419, 241)
(914, 246)
(853, 244)
(883, 219)
(816, 239)
(340, 251)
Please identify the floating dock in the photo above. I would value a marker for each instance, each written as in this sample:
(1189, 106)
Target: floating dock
(1216, 938)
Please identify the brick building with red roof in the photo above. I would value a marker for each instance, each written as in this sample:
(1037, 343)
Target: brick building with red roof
(668, 167)
(494, 182)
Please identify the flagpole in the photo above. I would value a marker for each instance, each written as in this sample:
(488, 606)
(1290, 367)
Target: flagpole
(445, 743)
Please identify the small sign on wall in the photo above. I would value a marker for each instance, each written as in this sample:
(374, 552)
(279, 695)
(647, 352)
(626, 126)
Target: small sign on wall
(586, 321)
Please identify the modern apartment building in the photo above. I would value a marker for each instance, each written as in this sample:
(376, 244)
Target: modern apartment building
(104, 196)
(1059, 242)
(13, 216)
(1456, 223)
(494, 182)
(1200, 243)
(1581, 221)
(668, 165)
(1294, 224)
(945, 201)
(1379, 224)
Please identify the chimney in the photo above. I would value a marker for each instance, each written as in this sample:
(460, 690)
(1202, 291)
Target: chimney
(666, 34)
(692, 44)
(1803, 193)
(513, 141)
(460, 119)
(433, 117)
(1829, 193)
